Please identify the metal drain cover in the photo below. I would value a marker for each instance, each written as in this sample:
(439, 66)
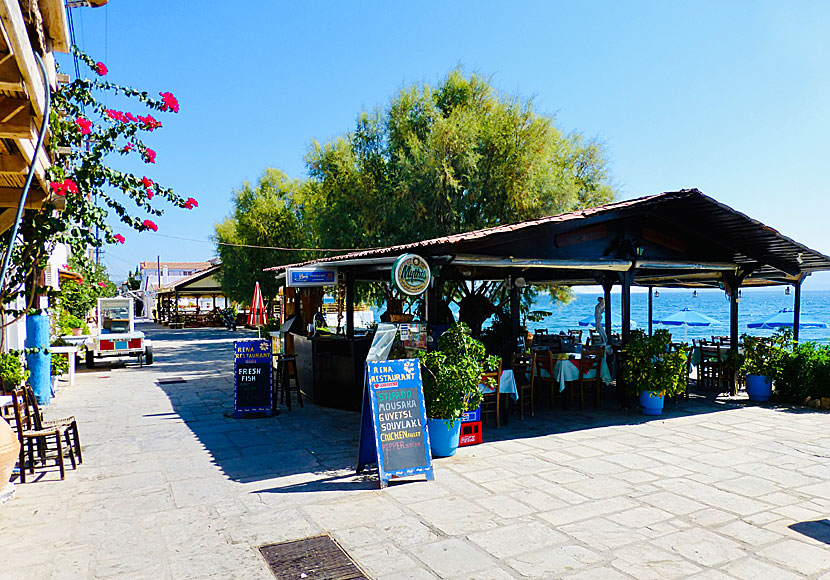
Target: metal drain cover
(170, 381)
(315, 558)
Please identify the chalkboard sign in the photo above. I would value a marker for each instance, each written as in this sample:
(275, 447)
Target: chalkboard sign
(393, 425)
(252, 391)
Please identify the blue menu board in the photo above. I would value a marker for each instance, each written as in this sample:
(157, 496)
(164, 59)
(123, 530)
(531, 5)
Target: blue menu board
(252, 389)
(393, 430)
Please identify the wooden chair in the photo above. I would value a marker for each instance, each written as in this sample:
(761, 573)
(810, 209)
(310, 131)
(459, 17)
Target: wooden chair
(30, 437)
(522, 370)
(591, 361)
(69, 423)
(491, 402)
(543, 363)
(575, 335)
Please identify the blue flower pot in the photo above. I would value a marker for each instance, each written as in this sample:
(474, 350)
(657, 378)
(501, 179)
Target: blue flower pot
(759, 388)
(651, 403)
(443, 439)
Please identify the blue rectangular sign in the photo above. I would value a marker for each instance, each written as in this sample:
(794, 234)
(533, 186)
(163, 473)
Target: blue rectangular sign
(394, 423)
(252, 389)
(299, 277)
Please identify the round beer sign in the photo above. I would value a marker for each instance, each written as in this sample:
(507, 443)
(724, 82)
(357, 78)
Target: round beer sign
(411, 274)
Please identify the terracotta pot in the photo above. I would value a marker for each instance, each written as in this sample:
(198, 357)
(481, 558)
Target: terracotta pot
(9, 449)
(77, 331)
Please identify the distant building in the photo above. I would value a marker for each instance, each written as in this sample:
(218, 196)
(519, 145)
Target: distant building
(171, 272)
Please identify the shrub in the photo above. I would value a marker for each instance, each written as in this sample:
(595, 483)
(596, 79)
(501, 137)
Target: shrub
(803, 372)
(12, 371)
(453, 373)
(649, 364)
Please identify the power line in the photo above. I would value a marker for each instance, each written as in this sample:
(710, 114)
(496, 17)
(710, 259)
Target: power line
(280, 248)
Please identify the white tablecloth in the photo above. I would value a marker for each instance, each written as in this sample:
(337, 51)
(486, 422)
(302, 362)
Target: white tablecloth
(566, 370)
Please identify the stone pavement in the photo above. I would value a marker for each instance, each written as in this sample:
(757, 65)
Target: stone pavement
(170, 488)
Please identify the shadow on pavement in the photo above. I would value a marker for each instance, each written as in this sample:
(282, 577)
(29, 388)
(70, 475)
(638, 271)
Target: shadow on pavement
(317, 440)
(818, 530)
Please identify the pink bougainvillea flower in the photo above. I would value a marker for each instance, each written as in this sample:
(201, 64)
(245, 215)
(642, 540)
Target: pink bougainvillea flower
(102, 284)
(119, 238)
(148, 187)
(170, 102)
(117, 115)
(101, 69)
(79, 281)
(149, 122)
(131, 117)
(191, 203)
(65, 266)
(127, 148)
(150, 225)
(84, 125)
(66, 186)
(149, 156)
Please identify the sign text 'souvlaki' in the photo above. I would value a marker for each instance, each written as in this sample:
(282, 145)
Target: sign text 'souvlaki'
(411, 274)
(393, 426)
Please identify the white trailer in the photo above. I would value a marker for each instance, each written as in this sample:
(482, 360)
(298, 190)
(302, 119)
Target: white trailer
(116, 334)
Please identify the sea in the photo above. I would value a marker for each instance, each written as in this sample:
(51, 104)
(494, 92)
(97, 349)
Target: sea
(754, 304)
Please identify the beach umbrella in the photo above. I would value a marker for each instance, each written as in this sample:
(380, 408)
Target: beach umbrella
(257, 314)
(616, 321)
(784, 318)
(687, 317)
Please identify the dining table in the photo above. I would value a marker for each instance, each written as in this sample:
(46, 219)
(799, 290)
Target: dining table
(567, 368)
(507, 386)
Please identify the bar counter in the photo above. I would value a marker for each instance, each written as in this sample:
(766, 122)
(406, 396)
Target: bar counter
(331, 369)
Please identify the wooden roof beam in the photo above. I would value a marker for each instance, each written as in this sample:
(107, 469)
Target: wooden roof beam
(21, 48)
(10, 197)
(14, 164)
(56, 24)
(10, 78)
(15, 118)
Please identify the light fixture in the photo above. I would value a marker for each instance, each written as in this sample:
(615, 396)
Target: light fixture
(466, 273)
(694, 294)
(520, 282)
(787, 290)
(657, 294)
(799, 259)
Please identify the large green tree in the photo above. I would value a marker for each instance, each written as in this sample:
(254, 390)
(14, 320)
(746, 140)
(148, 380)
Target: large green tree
(267, 214)
(452, 158)
(439, 160)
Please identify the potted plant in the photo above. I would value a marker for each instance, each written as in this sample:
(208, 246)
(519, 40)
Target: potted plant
(762, 361)
(451, 379)
(12, 372)
(651, 370)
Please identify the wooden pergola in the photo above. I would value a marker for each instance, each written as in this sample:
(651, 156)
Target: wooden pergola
(41, 27)
(673, 239)
(198, 285)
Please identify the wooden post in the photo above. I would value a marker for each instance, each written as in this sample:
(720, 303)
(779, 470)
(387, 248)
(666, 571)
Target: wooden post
(515, 315)
(797, 308)
(606, 286)
(349, 305)
(627, 279)
(650, 309)
(732, 285)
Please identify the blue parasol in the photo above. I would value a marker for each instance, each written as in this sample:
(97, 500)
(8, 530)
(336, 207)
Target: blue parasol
(687, 317)
(616, 321)
(784, 318)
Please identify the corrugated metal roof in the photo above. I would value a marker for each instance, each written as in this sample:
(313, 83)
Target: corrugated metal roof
(150, 265)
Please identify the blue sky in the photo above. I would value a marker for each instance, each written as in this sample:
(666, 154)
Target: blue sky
(728, 97)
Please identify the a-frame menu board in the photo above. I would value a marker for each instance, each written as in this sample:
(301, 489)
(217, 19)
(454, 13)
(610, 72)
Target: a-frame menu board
(393, 430)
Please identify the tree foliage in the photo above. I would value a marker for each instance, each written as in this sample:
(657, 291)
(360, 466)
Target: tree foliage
(435, 161)
(447, 159)
(269, 214)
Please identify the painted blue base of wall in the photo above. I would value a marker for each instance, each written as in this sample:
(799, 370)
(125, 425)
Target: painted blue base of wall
(39, 363)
